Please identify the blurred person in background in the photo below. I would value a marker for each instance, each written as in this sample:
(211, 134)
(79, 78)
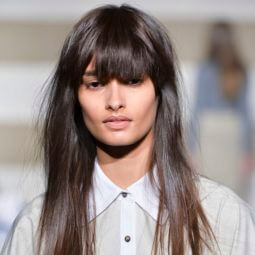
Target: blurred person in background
(222, 85)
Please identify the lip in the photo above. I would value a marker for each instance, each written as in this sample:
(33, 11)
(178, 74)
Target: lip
(117, 122)
(116, 118)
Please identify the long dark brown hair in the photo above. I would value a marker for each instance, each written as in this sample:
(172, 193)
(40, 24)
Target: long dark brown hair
(125, 43)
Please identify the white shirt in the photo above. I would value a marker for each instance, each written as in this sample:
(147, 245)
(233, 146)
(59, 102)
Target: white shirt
(126, 224)
(128, 208)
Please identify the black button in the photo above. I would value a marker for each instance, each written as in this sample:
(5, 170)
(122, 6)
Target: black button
(127, 238)
(124, 194)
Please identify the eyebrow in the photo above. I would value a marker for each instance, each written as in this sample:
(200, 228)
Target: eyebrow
(90, 73)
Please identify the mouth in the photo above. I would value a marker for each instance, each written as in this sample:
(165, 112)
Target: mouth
(117, 122)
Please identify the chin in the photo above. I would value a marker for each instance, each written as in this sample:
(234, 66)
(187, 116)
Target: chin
(117, 139)
(122, 140)
(119, 142)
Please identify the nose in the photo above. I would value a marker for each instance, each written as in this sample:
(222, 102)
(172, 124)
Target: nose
(114, 97)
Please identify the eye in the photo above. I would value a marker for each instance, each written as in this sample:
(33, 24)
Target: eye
(93, 84)
(134, 81)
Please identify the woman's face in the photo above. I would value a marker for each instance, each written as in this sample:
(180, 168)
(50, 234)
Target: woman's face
(117, 113)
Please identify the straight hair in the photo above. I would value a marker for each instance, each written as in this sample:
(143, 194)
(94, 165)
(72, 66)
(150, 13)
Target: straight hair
(126, 43)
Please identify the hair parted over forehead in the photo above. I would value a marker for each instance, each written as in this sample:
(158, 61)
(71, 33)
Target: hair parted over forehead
(123, 42)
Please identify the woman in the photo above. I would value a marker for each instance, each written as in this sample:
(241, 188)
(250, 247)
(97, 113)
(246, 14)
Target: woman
(118, 177)
(222, 85)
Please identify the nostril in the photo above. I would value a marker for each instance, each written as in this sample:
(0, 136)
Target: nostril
(114, 106)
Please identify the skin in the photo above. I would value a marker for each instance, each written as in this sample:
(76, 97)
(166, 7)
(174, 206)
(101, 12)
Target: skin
(124, 154)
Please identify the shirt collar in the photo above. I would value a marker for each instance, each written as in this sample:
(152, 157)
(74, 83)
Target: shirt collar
(105, 192)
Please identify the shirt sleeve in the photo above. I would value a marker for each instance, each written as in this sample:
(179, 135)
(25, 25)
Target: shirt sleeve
(232, 220)
(21, 239)
(235, 227)
(244, 237)
(245, 115)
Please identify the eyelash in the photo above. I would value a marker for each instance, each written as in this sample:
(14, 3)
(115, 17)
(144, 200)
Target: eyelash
(135, 81)
(90, 84)
(132, 82)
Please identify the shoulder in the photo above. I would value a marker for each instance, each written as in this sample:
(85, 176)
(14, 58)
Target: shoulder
(231, 219)
(30, 213)
(210, 190)
(33, 208)
(24, 229)
(206, 65)
(206, 74)
(217, 198)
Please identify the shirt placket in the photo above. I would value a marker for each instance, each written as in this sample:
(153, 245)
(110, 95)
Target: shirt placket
(127, 225)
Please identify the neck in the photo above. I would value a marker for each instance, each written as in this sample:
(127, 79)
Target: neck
(124, 165)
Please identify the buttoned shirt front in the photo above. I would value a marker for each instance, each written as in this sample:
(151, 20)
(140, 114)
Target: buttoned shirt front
(131, 212)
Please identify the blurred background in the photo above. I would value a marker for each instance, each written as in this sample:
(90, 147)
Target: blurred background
(215, 44)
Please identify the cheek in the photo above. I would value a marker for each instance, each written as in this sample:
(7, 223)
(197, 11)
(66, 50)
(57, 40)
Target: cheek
(146, 109)
(89, 112)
